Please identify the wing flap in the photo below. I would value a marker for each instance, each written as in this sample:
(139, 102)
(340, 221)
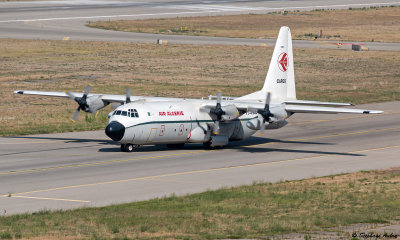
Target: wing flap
(317, 109)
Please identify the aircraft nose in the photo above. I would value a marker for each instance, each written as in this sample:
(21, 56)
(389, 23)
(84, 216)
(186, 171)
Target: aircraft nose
(115, 131)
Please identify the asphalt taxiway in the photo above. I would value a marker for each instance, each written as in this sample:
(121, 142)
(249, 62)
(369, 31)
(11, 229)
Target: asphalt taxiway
(70, 170)
(58, 20)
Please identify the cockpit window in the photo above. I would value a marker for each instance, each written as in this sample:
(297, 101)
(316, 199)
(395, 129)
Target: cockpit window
(133, 113)
(130, 113)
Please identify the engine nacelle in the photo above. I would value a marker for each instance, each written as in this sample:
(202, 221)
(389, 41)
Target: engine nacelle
(275, 125)
(231, 113)
(219, 140)
(95, 103)
(278, 120)
(254, 124)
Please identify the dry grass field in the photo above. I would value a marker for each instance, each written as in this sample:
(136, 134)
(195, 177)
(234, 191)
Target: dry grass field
(171, 70)
(366, 24)
(317, 208)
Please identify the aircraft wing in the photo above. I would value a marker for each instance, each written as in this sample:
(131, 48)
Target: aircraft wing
(316, 103)
(105, 97)
(317, 109)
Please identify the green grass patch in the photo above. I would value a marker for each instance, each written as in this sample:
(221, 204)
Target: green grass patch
(255, 211)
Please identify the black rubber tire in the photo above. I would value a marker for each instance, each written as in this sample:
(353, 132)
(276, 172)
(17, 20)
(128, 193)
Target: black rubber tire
(129, 148)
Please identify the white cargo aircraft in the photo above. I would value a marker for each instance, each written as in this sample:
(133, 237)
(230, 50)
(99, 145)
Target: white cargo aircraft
(213, 122)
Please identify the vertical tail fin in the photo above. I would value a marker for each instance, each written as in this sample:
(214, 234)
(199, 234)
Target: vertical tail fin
(280, 77)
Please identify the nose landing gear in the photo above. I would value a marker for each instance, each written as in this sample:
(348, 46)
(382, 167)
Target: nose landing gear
(128, 147)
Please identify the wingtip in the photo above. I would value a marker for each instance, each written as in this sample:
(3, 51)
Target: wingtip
(19, 92)
(373, 112)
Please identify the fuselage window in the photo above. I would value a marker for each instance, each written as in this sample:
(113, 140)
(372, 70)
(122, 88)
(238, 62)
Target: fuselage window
(136, 113)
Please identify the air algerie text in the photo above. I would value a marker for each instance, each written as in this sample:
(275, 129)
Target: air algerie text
(172, 113)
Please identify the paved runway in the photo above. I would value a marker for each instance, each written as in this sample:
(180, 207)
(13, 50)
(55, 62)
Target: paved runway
(57, 20)
(71, 170)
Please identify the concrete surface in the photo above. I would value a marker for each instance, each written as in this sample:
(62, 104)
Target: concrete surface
(57, 20)
(70, 170)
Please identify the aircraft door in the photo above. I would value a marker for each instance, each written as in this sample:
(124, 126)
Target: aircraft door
(152, 134)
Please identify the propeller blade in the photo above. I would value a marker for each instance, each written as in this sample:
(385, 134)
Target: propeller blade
(262, 127)
(268, 98)
(76, 114)
(216, 128)
(205, 109)
(87, 90)
(266, 114)
(219, 97)
(128, 95)
(70, 95)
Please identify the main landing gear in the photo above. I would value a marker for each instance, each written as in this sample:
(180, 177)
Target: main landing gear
(128, 147)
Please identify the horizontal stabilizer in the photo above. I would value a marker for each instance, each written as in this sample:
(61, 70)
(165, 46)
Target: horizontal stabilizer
(317, 109)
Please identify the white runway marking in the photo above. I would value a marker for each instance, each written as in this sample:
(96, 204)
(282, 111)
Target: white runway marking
(53, 199)
(206, 9)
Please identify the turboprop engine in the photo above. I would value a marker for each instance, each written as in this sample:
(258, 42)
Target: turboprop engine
(221, 113)
(276, 121)
(87, 104)
(269, 117)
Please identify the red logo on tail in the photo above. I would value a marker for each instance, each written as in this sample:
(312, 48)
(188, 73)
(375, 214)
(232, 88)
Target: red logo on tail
(283, 62)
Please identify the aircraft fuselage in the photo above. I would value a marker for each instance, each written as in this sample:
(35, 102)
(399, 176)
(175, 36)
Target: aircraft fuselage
(142, 123)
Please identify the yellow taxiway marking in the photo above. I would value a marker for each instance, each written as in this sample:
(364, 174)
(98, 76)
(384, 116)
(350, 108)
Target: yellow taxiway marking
(187, 153)
(53, 199)
(100, 163)
(197, 171)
